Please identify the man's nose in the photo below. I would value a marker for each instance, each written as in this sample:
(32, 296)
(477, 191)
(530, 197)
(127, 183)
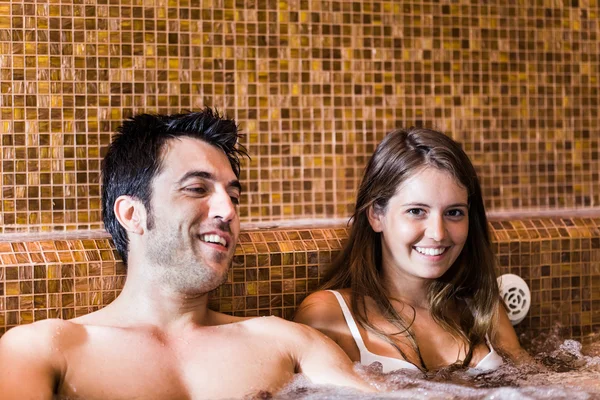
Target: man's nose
(222, 206)
(436, 228)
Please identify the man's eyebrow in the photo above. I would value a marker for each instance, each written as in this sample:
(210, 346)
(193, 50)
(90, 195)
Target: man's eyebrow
(235, 184)
(210, 177)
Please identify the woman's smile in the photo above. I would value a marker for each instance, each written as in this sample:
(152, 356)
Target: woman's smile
(432, 252)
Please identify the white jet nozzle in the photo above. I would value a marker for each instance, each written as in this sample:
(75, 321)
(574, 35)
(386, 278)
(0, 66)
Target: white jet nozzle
(516, 295)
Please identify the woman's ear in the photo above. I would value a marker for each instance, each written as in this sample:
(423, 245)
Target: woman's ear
(131, 214)
(375, 215)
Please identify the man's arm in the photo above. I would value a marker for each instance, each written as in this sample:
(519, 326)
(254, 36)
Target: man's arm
(324, 362)
(27, 370)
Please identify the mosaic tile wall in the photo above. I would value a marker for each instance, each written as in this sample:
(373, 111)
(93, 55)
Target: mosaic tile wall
(314, 84)
(273, 270)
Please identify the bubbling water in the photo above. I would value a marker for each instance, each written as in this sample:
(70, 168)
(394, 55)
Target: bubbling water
(562, 369)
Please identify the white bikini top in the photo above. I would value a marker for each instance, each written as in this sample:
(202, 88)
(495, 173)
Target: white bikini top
(489, 363)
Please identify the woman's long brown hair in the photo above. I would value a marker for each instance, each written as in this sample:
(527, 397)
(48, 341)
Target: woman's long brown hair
(472, 277)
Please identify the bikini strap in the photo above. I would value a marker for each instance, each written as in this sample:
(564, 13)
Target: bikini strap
(350, 322)
(489, 343)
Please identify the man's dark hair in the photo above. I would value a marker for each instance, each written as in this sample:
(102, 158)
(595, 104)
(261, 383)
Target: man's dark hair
(134, 158)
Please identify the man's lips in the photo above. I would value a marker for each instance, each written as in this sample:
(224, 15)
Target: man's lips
(216, 238)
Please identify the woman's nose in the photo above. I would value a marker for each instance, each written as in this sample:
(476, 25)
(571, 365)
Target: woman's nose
(436, 228)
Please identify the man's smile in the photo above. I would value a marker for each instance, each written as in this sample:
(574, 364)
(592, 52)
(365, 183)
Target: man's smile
(219, 239)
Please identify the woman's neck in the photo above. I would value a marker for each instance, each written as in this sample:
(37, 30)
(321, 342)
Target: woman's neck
(408, 290)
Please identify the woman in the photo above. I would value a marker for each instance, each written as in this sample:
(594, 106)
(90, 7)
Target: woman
(415, 285)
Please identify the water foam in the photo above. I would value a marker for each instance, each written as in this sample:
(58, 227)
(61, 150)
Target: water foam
(562, 369)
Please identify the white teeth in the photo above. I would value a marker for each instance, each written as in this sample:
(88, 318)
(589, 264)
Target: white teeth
(428, 251)
(213, 239)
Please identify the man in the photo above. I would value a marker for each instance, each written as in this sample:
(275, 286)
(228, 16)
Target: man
(170, 201)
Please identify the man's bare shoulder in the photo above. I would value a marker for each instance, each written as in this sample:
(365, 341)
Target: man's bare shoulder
(267, 322)
(43, 337)
(280, 328)
(46, 329)
(35, 353)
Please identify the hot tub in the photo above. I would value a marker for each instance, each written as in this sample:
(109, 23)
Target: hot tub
(277, 265)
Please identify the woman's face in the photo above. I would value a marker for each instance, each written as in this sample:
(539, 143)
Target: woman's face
(424, 226)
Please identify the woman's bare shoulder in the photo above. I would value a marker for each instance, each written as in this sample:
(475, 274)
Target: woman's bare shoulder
(322, 311)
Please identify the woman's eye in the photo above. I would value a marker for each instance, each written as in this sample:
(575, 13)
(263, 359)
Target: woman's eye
(416, 211)
(456, 213)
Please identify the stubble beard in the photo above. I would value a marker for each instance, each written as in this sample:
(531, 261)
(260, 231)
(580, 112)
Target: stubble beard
(178, 264)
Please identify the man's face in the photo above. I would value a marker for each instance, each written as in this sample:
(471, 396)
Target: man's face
(194, 209)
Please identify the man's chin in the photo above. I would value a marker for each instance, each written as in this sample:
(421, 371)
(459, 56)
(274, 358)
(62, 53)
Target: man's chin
(208, 282)
(218, 281)
(221, 258)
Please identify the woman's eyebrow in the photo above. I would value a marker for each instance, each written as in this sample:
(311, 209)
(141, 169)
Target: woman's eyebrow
(465, 205)
(415, 205)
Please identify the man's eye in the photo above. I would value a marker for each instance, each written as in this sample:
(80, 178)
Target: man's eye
(197, 189)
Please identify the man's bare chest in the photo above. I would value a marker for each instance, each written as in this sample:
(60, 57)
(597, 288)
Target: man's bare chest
(143, 366)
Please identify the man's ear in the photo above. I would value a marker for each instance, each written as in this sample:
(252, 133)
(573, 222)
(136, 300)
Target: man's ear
(375, 215)
(131, 214)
